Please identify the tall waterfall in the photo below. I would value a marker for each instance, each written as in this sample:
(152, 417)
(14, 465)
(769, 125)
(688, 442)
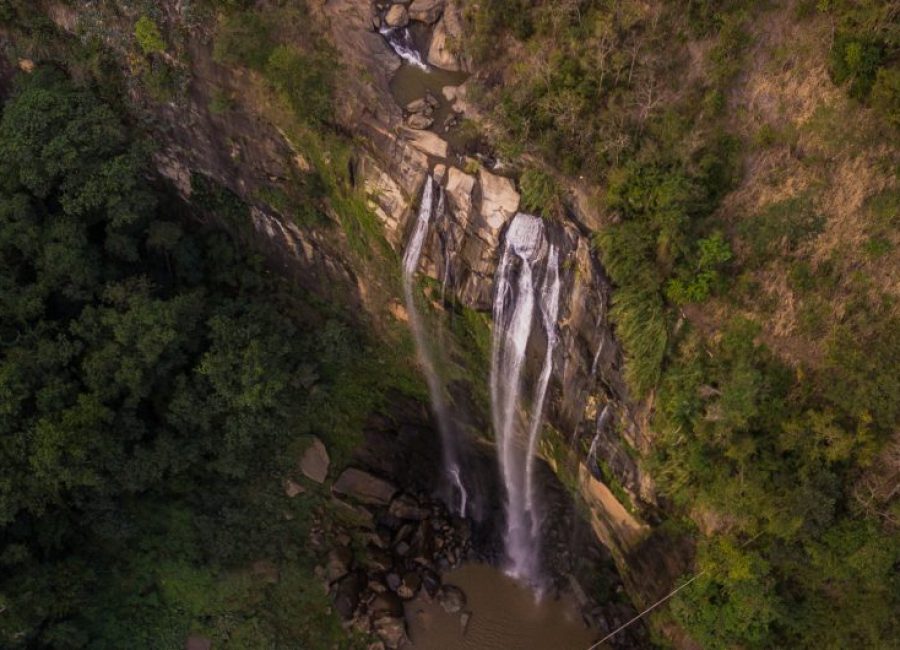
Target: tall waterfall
(401, 41)
(427, 210)
(525, 279)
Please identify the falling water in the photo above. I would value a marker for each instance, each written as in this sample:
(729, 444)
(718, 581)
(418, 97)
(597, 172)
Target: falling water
(435, 388)
(514, 307)
(549, 303)
(401, 41)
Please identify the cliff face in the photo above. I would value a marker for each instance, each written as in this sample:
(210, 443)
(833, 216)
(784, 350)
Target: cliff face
(588, 403)
(588, 407)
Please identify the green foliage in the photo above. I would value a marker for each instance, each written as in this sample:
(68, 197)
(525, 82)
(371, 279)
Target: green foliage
(886, 94)
(153, 377)
(148, 36)
(856, 61)
(780, 229)
(303, 80)
(698, 282)
(302, 76)
(540, 192)
(865, 54)
(767, 450)
(243, 38)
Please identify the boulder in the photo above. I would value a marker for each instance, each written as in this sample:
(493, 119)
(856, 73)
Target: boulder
(419, 121)
(339, 561)
(445, 38)
(409, 586)
(438, 173)
(426, 11)
(499, 199)
(292, 489)
(417, 105)
(364, 487)
(459, 188)
(197, 642)
(391, 630)
(314, 462)
(386, 604)
(449, 93)
(428, 143)
(347, 593)
(397, 16)
(406, 507)
(451, 598)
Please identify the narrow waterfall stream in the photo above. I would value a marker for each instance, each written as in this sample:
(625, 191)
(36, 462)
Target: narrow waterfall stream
(401, 41)
(525, 278)
(428, 209)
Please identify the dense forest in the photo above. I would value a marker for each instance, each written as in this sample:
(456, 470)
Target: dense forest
(155, 376)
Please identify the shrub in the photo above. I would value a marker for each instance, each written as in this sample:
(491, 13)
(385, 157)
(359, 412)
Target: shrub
(886, 94)
(148, 36)
(243, 39)
(540, 192)
(303, 81)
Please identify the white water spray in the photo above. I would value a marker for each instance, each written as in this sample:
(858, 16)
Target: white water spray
(401, 41)
(513, 312)
(435, 388)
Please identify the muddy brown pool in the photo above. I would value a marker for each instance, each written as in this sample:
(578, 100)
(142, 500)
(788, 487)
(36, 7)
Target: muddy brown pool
(504, 616)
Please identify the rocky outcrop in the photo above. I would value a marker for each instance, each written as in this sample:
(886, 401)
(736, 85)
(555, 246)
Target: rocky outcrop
(444, 51)
(364, 487)
(397, 16)
(426, 11)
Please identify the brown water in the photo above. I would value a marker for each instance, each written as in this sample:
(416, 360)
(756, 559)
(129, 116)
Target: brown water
(504, 616)
(410, 82)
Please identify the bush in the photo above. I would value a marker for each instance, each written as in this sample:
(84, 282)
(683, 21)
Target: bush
(243, 38)
(148, 36)
(886, 95)
(856, 59)
(303, 80)
(540, 193)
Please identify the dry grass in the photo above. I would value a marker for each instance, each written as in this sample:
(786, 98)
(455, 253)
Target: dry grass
(805, 137)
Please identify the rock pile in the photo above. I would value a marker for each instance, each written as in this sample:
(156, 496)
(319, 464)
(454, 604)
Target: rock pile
(419, 112)
(400, 555)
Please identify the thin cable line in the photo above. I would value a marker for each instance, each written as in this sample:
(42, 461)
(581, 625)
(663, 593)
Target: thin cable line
(662, 600)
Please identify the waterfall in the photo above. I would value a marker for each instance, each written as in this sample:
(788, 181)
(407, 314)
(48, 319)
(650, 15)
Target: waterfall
(401, 41)
(549, 303)
(435, 387)
(513, 311)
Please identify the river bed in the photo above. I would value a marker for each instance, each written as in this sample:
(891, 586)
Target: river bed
(504, 616)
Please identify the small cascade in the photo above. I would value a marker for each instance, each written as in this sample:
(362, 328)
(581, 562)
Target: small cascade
(517, 294)
(592, 452)
(411, 256)
(401, 41)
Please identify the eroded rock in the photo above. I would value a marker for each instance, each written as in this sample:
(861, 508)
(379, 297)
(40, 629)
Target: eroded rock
(407, 507)
(451, 598)
(499, 199)
(428, 143)
(419, 121)
(364, 487)
(314, 462)
(426, 11)
(391, 630)
(397, 16)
